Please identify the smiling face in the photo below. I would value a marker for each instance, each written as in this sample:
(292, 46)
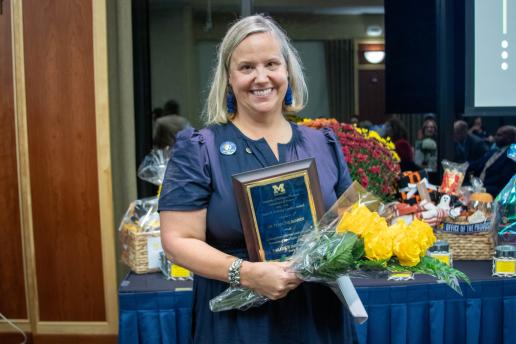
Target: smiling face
(258, 75)
(429, 128)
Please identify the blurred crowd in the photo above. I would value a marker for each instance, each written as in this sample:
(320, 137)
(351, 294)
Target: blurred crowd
(485, 154)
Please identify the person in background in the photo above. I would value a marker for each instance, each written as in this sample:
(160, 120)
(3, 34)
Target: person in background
(395, 129)
(426, 149)
(365, 124)
(258, 77)
(468, 147)
(420, 132)
(495, 168)
(167, 124)
(477, 130)
(156, 113)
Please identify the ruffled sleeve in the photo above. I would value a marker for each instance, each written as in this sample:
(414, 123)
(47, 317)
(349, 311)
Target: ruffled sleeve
(187, 181)
(344, 178)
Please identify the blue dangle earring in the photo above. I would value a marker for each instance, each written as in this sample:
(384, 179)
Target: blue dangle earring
(288, 96)
(230, 100)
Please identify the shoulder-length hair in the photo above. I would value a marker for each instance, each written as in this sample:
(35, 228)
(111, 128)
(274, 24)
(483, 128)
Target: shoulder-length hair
(215, 109)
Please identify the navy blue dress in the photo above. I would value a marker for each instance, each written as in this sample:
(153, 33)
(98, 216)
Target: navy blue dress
(198, 176)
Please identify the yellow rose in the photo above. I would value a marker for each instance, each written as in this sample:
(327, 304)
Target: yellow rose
(378, 246)
(407, 250)
(346, 220)
(356, 220)
(400, 227)
(375, 225)
(423, 234)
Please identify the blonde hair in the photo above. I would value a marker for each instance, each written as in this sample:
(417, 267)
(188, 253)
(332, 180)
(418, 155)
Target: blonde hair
(215, 109)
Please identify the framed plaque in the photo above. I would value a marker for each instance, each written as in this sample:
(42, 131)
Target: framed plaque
(276, 205)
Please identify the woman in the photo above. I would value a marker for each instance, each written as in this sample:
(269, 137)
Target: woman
(426, 147)
(395, 129)
(257, 78)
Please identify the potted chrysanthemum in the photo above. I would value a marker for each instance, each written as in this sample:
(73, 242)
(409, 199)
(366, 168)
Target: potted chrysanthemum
(371, 159)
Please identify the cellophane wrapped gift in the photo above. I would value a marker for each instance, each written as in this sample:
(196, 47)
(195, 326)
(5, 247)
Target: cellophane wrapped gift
(139, 230)
(453, 177)
(505, 214)
(140, 236)
(352, 238)
(505, 208)
(152, 169)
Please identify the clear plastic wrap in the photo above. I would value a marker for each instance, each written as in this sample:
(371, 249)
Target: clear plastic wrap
(139, 229)
(237, 298)
(141, 216)
(505, 214)
(352, 238)
(453, 177)
(152, 168)
(140, 237)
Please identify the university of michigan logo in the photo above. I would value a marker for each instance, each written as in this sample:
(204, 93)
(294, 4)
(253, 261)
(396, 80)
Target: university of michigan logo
(278, 189)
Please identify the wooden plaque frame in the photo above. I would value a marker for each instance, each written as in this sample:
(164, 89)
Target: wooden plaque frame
(274, 176)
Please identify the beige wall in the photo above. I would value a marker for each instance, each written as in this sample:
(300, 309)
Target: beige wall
(121, 93)
(176, 34)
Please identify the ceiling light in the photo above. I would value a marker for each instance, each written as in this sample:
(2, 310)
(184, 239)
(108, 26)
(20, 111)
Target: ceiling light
(374, 56)
(374, 31)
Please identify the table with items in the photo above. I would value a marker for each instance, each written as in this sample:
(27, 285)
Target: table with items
(156, 310)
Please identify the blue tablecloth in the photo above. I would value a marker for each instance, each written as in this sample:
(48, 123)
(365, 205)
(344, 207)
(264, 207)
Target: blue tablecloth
(153, 310)
(436, 314)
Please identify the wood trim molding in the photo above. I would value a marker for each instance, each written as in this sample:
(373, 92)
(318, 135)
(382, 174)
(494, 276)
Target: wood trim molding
(74, 327)
(372, 67)
(74, 338)
(22, 142)
(100, 57)
(23, 324)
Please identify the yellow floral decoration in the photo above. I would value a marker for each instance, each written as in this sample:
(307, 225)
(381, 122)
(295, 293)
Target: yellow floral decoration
(407, 242)
(407, 250)
(378, 246)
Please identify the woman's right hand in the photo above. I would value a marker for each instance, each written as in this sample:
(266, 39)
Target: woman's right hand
(273, 280)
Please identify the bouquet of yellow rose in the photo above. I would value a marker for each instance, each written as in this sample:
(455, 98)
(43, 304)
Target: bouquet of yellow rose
(353, 238)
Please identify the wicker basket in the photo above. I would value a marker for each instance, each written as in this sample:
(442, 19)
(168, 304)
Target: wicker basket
(471, 246)
(140, 250)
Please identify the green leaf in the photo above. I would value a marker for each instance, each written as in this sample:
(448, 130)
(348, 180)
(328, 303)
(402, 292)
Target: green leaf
(433, 267)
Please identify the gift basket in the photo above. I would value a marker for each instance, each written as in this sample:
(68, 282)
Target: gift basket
(466, 225)
(139, 230)
(140, 236)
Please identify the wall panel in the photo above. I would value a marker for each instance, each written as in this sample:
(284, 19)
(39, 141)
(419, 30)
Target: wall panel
(58, 48)
(12, 285)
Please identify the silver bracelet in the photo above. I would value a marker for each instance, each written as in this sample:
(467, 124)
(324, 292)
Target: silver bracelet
(234, 273)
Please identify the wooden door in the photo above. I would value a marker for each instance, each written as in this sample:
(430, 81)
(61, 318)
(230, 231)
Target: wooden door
(372, 95)
(55, 176)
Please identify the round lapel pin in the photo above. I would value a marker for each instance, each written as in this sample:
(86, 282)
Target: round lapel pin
(228, 148)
